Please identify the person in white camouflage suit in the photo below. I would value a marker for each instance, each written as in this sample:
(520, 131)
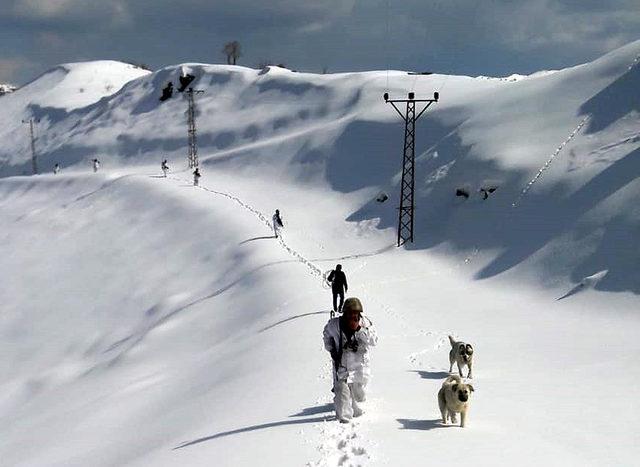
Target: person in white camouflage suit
(348, 339)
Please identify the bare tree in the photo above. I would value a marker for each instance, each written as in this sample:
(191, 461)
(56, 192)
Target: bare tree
(232, 51)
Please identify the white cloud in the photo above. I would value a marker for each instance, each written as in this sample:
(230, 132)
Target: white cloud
(525, 25)
(42, 8)
(458, 36)
(108, 12)
(556, 23)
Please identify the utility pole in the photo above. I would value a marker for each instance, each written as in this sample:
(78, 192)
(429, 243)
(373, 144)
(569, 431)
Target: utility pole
(407, 187)
(192, 155)
(34, 161)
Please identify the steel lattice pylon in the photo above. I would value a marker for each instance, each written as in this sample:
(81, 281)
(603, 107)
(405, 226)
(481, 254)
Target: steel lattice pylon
(407, 186)
(34, 159)
(192, 155)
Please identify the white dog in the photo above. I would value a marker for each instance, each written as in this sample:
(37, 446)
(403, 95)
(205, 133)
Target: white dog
(453, 398)
(462, 354)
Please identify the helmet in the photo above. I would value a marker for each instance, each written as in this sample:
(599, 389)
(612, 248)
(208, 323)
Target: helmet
(352, 304)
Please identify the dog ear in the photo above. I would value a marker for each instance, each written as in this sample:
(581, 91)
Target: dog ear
(454, 387)
(469, 349)
(471, 388)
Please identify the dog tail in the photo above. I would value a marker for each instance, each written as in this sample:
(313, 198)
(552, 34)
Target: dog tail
(452, 340)
(453, 379)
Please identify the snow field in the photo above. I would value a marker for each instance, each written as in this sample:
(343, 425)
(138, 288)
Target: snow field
(240, 337)
(148, 322)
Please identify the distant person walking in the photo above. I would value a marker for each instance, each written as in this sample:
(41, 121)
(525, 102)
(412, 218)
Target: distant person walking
(164, 167)
(348, 338)
(96, 165)
(56, 169)
(338, 281)
(196, 177)
(277, 223)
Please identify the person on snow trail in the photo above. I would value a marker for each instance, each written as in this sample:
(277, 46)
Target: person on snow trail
(164, 167)
(348, 338)
(338, 281)
(196, 177)
(96, 165)
(277, 223)
(56, 169)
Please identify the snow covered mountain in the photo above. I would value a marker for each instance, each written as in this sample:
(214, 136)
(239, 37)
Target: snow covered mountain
(335, 130)
(53, 98)
(147, 322)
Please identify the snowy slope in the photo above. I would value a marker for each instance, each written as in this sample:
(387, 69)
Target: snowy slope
(335, 131)
(54, 98)
(147, 322)
(93, 350)
(154, 324)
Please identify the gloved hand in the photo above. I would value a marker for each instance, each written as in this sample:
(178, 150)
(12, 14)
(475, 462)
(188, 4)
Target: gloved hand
(361, 334)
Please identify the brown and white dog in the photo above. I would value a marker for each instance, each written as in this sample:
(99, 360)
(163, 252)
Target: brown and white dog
(462, 354)
(453, 399)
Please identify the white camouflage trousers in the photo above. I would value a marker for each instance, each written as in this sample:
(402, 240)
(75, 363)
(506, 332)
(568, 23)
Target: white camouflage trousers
(346, 399)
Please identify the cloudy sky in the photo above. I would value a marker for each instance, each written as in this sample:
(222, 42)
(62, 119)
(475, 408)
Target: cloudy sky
(488, 37)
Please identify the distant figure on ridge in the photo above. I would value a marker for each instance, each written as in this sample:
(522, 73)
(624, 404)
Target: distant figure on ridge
(185, 81)
(56, 169)
(196, 177)
(167, 92)
(277, 223)
(338, 281)
(96, 165)
(164, 167)
(348, 338)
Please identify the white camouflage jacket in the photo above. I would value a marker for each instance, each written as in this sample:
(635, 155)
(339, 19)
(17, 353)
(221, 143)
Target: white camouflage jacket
(354, 366)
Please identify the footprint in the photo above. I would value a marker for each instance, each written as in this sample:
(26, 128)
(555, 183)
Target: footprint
(441, 339)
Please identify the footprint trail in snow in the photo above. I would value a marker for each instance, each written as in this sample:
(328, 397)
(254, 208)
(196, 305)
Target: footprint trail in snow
(340, 444)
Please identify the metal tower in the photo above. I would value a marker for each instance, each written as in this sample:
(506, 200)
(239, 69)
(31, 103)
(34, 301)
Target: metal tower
(192, 155)
(407, 187)
(34, 161)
